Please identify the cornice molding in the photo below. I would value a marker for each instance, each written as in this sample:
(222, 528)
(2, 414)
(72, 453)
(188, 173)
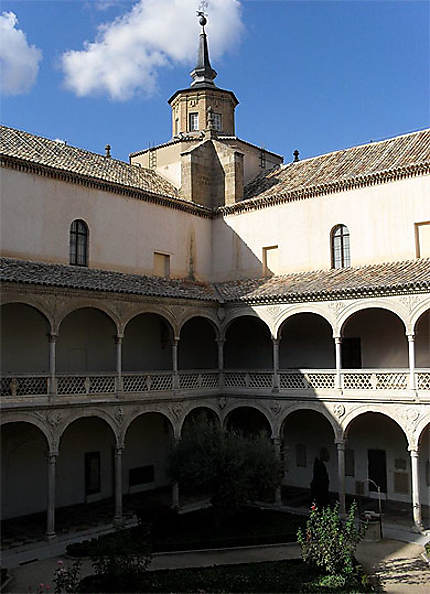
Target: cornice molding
(372, 179)
(98, 184)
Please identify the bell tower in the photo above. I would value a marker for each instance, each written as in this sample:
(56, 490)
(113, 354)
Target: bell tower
(203, 106)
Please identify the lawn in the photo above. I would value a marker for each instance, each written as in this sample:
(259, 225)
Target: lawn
(276, 576)
(202, 529)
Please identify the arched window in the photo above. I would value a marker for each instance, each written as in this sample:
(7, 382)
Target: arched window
(79, 243)
(340, 252)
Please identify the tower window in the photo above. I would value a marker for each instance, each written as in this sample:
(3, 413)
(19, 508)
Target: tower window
(340, 252)
(193, 121)
(217, 119)
(79, 243)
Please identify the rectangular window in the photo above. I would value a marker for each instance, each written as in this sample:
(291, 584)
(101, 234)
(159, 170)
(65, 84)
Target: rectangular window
(270, 260)
(422, 239)
(161, 265)
(141, 475)
(349, 462)
(217, 119)
(92, 473)
(301, 455)
(193, 122)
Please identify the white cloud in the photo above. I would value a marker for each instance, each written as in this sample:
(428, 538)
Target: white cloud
(125, 57)
(19, 61)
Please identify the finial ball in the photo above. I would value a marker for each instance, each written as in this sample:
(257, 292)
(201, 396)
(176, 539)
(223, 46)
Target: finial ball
(202, 20)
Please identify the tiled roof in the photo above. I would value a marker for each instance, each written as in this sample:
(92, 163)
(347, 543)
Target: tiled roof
(344, 169)
(76, 277)
(55, 154)
(344, 283)
(323, 285)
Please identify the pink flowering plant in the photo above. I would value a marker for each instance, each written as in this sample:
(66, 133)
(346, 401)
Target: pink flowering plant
(66, 579)
(329, 542)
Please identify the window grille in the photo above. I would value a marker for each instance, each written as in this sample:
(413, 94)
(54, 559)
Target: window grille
(79, 243)
(217, 120)
(340, 250)
(193, 121)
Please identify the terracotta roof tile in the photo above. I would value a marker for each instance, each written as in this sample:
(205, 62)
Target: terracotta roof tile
(346, 283)
(394, 154)
(52, 153)
(76, 277)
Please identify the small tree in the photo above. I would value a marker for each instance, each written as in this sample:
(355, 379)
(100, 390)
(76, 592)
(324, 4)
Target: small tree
(329, 542)
(233, 468)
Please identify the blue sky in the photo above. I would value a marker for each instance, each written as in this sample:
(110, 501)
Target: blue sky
(317, 76)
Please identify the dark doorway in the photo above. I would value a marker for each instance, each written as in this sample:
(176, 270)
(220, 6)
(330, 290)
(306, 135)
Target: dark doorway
(377, 469)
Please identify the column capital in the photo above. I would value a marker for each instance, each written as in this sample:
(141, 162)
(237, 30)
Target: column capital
(119, 338)
(411, 337)
(52, 337)
(276, 340)
(337, 339)
(119, 450)
(340, 444)
(52, 457)
(413, 451)
(220, 341)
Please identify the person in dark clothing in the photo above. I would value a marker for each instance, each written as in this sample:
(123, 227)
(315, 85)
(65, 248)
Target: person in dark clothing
(320, 483)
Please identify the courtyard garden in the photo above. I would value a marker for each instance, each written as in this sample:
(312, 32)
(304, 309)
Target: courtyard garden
(236, 470)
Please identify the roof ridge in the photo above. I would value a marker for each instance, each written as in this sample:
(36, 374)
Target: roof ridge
(354, 146)
(65, 144)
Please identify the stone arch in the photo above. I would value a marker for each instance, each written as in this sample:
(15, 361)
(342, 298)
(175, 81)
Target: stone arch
(354, 308)
(88, 413)
(70, 309)
(420, 428)
(147, 342)
(256, 406)
(248, 343)
(301, 406)
(299, 309)
(22, 417)
(122, 434)
(35, 305)
(152, 309)
(213, 321)
(419, 311)
(371, 408)
(25, 329)
(240, 314)
(200, 406)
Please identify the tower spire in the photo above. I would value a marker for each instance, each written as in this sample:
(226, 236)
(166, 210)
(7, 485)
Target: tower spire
(203, 74)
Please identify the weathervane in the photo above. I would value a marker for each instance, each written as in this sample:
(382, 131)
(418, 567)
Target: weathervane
(202, 14)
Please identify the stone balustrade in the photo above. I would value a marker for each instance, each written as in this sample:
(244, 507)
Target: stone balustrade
(319, 381)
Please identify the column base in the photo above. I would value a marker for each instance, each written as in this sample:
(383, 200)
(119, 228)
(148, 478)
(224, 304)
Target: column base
(50, 536)
(118, 521)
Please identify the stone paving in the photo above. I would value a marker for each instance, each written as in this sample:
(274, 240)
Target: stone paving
(397, 564)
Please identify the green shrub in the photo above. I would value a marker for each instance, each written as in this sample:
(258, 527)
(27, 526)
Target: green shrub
(328, 542)
(232, 467)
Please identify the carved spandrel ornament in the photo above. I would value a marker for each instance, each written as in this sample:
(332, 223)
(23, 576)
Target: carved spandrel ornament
(276, 407)
(177, 410)
(222, 402)
(54, 419)
(410, 301)
(411, 416)
(338, 410)
(336, 307)
(119, 415)
(273, 311)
